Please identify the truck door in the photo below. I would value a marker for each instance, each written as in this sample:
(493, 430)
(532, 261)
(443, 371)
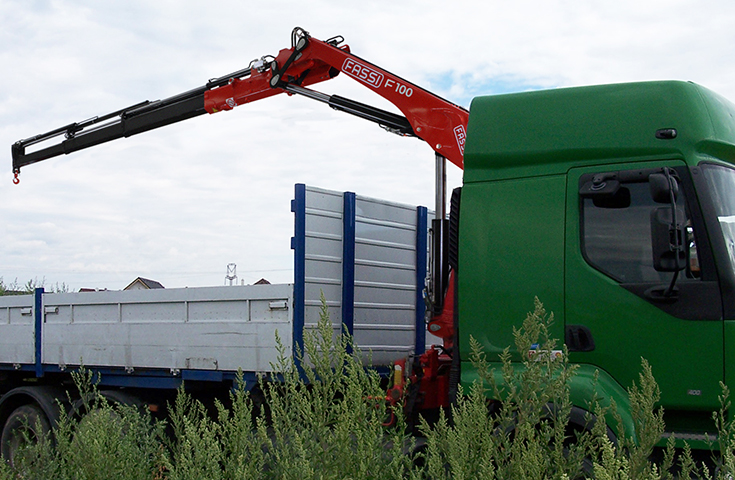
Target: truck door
(620, 306)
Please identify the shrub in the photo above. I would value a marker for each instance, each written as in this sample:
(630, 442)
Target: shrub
(323, 418)
(109, 441)
(322, 421)
(527, 437)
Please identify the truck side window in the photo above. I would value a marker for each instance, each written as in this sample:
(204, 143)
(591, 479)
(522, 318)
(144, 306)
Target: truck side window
(721, 182)
(616, 237)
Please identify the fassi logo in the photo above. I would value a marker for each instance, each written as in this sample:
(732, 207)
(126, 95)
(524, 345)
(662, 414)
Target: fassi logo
(362, 72)
(460, 135)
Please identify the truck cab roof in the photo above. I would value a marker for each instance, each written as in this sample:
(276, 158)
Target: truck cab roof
(549, 131)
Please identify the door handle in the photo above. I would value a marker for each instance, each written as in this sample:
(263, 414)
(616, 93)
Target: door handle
(578, 338)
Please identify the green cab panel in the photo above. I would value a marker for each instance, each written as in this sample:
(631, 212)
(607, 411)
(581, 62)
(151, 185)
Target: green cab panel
(512, 250)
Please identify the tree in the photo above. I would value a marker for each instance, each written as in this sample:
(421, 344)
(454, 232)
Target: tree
(15, 288)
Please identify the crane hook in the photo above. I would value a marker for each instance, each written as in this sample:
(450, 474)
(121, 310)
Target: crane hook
(16, 177)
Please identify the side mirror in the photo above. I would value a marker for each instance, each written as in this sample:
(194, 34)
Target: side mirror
(667, 240)
(606, 192)
(661, 187)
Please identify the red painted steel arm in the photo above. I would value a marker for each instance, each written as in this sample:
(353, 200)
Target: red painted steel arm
(440, 123)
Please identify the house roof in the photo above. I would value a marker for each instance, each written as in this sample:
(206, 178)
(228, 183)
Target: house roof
(147, 283)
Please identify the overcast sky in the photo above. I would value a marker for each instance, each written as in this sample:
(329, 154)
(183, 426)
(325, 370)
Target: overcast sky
(179, 203)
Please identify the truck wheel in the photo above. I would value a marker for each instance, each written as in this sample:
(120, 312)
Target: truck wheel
(26, 424)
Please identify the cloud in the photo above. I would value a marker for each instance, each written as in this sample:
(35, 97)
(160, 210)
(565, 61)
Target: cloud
(179, 203)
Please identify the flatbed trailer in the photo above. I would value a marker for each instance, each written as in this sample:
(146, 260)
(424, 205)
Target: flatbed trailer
(366, 256)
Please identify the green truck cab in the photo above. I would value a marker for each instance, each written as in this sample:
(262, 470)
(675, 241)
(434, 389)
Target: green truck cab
(593, 199)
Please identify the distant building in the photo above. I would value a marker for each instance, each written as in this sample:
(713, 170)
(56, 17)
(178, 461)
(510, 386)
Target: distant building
(141, 283)
(262, 281)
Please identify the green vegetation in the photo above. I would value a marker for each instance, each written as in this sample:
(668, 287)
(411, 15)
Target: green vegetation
(15, 288)
(325, 422)
(96, 440)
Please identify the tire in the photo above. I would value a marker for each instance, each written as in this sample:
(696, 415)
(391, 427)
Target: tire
(26, 423)
(108, 401)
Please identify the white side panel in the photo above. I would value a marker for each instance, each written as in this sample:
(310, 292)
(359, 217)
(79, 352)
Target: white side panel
(385, 271)
(385, 279)
(17, 341)
(323, 266)
(218, 328)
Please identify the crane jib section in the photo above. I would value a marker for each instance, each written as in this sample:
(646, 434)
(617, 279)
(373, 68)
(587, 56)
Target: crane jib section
(442, 124)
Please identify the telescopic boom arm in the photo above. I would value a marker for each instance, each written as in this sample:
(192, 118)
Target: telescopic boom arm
(441, 124)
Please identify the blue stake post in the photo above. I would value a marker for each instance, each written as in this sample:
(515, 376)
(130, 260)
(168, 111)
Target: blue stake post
(422, 226)
(348, 262)
(38, 331)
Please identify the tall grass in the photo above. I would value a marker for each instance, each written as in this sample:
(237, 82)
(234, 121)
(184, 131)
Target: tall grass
(322, 417)
(526, 437)
(528, 434)
(96, 440)
(317, 422)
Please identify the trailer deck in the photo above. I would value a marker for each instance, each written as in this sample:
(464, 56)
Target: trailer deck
(366, 256)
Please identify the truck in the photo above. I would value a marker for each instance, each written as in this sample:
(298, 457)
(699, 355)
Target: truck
(613, 204)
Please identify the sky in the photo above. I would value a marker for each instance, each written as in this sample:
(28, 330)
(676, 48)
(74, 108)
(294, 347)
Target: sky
(179, 203)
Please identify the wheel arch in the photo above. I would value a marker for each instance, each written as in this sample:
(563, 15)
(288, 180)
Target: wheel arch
(584, 421)
(591, 388)
(48, 398)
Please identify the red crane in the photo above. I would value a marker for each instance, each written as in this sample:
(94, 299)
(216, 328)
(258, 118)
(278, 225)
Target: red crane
(440, 123)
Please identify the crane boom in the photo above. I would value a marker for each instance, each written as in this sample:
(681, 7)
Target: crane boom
(440, 123)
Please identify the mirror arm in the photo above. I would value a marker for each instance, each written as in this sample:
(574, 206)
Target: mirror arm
(676, 246)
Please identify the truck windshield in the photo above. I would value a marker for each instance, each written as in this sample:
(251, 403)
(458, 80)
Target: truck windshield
(721, 182)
